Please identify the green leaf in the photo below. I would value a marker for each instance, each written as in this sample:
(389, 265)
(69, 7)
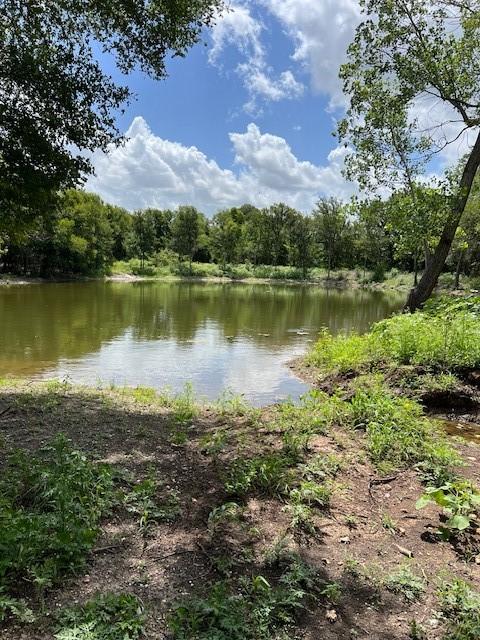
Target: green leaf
(459, 522)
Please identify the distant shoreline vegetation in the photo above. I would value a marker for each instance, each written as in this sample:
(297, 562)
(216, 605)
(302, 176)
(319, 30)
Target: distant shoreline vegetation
(336, 243)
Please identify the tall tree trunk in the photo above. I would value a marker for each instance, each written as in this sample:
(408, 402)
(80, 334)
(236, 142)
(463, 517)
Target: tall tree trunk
(415, 269)
(420, 294)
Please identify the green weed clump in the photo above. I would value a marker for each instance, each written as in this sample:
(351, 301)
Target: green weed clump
(270, 474)
(440, 339)
(340, 354)
(142, 502)
(254, 610)
(105, 617)
(398, 433)
(406, 583)
(50, 507)
(460, 605)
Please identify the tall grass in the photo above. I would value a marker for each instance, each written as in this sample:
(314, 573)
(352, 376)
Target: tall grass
(442, 340)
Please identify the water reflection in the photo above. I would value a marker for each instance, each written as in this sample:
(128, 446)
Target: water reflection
(215, 335)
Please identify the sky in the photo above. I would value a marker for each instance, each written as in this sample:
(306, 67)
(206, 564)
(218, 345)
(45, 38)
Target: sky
(247, 116)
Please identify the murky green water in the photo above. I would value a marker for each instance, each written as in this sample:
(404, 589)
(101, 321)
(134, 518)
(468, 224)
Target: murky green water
(217, 336)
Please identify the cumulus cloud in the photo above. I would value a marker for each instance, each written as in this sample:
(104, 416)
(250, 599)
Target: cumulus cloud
(321, 31)
(237, 28)
(150, 171)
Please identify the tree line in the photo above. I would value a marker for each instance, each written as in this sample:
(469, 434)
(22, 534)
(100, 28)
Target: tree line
(85, 236)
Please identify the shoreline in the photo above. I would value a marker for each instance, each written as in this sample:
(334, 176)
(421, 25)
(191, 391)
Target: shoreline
(340, 282)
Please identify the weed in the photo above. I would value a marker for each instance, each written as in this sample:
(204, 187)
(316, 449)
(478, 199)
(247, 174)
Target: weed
(417, 632)
(405, 583)
(321, 467)
(253, 611)
(227, 512)
(398, 433)
(15, 608)
(105, 617)
(301, 518)
(351, 522)
(212, 444)
(270, 474)
(233, 405)
(50, 507)
(332, 591)
(141, 501)
(312, 494)
(460, 501)
(460, 605)
(184, 406)
(389, 524)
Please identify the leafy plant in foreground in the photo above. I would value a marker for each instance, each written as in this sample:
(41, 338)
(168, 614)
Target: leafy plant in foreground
(460, 605)
(460, 501)
(50, 507)
(105, 617)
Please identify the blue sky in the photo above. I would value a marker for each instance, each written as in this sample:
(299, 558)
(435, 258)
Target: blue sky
(247, 118)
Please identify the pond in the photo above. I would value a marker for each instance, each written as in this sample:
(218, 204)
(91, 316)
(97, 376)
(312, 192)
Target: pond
(216, 336)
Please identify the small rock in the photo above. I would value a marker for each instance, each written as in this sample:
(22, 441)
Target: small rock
(331, 615)
(345, 540)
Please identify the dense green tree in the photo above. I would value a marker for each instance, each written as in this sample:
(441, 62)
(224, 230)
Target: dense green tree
(121, 224)
(278, 220)
(300, 243)
(56, 101)
(402, 52)
(330, 221)
(415, 219)
(226, 237)
(186, 232)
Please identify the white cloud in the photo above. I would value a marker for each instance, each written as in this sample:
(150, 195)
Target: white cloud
(239, 29)
(150, 171)
(321, 31)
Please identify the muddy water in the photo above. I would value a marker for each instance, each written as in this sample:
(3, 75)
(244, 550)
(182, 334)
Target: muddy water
(217, 336)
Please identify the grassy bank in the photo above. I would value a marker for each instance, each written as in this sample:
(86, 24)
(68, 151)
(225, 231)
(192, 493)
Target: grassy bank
(154, 516)
(393, 279)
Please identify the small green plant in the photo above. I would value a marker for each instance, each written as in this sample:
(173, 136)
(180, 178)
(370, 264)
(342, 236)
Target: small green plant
(142, 501)
(212, 444)
(406, 583)
(312, 494)
(14, 608)
(460, 501)
(232, 404)
(417, 632)
(332, 591)
(184, 406)
(460, 605)
(321, 467)
(227, 512)
(301, 518)
(255, 610)
(389, 524)
(271, 474)
(105, 617)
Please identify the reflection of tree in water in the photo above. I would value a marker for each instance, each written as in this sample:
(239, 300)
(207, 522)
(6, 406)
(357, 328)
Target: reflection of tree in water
(180, 310)
(44, 323)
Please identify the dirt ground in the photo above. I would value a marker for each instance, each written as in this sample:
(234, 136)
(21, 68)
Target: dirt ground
(181, 558)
